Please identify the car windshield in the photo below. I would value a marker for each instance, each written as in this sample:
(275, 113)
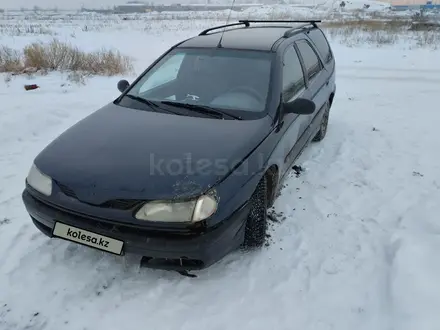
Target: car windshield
(235, 81)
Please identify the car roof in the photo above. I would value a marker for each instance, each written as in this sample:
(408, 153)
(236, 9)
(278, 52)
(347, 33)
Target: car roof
(260, 38)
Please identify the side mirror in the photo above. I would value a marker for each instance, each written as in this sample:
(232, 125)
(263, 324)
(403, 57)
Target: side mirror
(123, 85)
(300, 106)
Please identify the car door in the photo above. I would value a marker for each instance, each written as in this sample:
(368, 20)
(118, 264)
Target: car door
(315, 77)
(293, 86)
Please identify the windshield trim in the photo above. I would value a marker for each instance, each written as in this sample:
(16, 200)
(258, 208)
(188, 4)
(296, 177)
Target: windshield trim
(243, 114)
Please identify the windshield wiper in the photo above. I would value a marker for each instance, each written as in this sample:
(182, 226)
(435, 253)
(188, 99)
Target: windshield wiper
(215, 113)
(151, 104)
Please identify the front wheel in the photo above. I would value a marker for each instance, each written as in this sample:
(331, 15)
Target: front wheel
(256, 224)
(324, 124)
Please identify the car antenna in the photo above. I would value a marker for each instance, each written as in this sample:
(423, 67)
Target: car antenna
(219, 45)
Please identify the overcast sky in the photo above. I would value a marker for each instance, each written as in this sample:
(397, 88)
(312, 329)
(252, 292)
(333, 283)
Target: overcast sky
(67, 4)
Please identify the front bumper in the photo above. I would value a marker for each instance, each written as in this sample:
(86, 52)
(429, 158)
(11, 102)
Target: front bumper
(160, 250)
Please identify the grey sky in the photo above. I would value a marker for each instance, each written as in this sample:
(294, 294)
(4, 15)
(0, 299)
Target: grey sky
(68, 4)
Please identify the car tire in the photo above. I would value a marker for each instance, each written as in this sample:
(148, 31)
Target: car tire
(256, 223)
(323, 126)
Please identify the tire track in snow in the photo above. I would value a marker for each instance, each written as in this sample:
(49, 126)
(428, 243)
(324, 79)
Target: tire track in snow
(363, 155)
(385, 184)
(318, 259)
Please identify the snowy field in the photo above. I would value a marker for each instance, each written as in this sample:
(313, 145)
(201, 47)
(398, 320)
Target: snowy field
(358, 235)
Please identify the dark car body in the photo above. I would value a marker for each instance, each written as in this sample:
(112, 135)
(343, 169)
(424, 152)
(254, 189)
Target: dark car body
(105, 167)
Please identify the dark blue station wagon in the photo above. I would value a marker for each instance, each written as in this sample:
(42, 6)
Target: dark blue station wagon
(182, 167)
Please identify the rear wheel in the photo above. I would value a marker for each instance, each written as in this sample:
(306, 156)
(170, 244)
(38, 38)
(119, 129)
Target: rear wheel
(256, 224)
(324, 123)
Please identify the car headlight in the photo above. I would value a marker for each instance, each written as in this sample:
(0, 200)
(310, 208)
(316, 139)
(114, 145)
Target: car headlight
(168, 211)
(39, 181)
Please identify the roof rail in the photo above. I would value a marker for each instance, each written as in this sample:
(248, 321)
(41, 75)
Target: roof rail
(313, 22)
(290, 31)
(205, 32)
(247, 22)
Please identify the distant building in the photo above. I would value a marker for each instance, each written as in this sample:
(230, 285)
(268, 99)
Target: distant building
(415, 4)
(132, 7)
(140, 7)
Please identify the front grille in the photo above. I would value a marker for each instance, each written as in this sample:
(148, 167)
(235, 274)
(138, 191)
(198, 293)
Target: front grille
(67, 191)
(117, 204)
(121, 204)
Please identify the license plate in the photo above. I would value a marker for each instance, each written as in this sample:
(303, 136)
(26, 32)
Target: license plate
(88, 238)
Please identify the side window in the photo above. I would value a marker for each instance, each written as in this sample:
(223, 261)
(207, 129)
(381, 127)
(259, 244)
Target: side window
(163, 73)
(293, 77)
(311, 60)
(321, 44)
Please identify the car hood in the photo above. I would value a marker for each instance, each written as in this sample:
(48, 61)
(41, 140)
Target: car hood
(122, 153)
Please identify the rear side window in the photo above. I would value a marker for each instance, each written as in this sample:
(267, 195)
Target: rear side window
(293, 77)
(311, 60)
(321, 44)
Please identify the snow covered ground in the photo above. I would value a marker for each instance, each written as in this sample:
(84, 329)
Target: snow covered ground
(358, 236)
